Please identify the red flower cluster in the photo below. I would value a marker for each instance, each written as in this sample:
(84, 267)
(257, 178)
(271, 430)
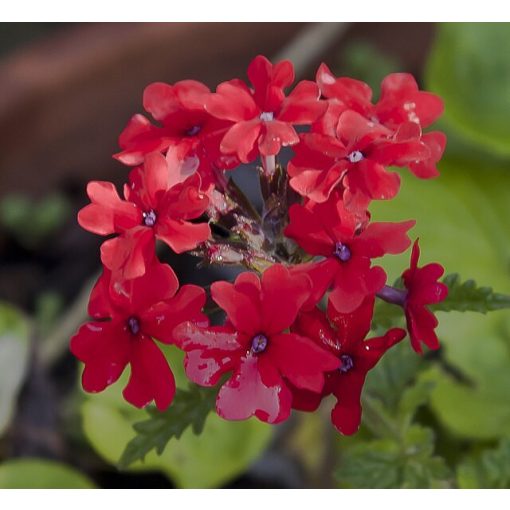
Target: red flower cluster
(277, 348)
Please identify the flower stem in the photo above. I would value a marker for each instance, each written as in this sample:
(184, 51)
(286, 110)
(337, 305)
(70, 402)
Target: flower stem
(392, 295)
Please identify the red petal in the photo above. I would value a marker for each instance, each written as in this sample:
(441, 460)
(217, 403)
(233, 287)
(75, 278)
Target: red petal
(159, 283)
(242, 310)
(181, 235)
(160, 100)
(274, 135)
(232, 102)
(129, 253)
(245, 394)
(283, 294)
(381, 238)
(104, 348)
(301, 361)
(241, 138)
(354, 281)
(107, 213)
(210, 352)
(151, 377)
(161, 320)
(304, 228)
(302, 106)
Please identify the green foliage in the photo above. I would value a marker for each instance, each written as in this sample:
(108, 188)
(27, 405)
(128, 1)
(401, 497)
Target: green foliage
(469, 68)
(41, 474)
(466, 296)
(32, 222)
(189, 409)
(389, 464)
(14, 343)
(488, 470)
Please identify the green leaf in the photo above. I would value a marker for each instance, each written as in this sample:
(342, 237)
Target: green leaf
(468, 297)
(489, 470)
(41, 474)
(388, 464)
(469, 68)
(189, 409)
(14, 342)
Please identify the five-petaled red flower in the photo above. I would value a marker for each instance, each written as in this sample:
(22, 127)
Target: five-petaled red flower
(348, 244)
(347, 151)
(159, 202)
(344, 335)
(263, 117)
(422, 289)
(255, 347)
(184, 125)
(125, 317)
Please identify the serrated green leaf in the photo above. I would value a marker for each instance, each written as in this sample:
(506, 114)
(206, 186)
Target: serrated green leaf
(14, 342)
(189, 409)
(488, 470)
(41, 474)
(468, 297)
(389, 464)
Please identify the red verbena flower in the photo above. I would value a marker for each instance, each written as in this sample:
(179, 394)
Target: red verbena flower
(127, 315)
(343, 335)
(263, 118)
(255, 347)
(348, 245)
(159, 203)
(422, 289)
(348, 151)
(184, 125)
(401, 100)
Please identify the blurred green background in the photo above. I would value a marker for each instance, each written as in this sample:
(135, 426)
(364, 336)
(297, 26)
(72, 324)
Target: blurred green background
(442, 420)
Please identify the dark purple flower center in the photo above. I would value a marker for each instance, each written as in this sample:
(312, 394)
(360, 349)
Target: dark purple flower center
(347, 363)
(355, 156)
(133, 325)
(194, 130)
(342, 252)
(149, 218)
(259, 344)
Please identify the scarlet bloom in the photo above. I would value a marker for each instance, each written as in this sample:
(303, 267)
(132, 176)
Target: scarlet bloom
(347, 151)
(401, 102)
(422, 289)
(184, 124)
(127, 315)
(348, 244)
(262, 117)
(255, 347)
(159, 202)
(344, 335)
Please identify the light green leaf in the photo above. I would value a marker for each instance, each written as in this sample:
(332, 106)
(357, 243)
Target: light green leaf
(469, 68)
(41, 474)
(14, 341)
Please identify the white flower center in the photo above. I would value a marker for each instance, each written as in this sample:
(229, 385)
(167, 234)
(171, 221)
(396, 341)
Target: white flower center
(355, 156)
